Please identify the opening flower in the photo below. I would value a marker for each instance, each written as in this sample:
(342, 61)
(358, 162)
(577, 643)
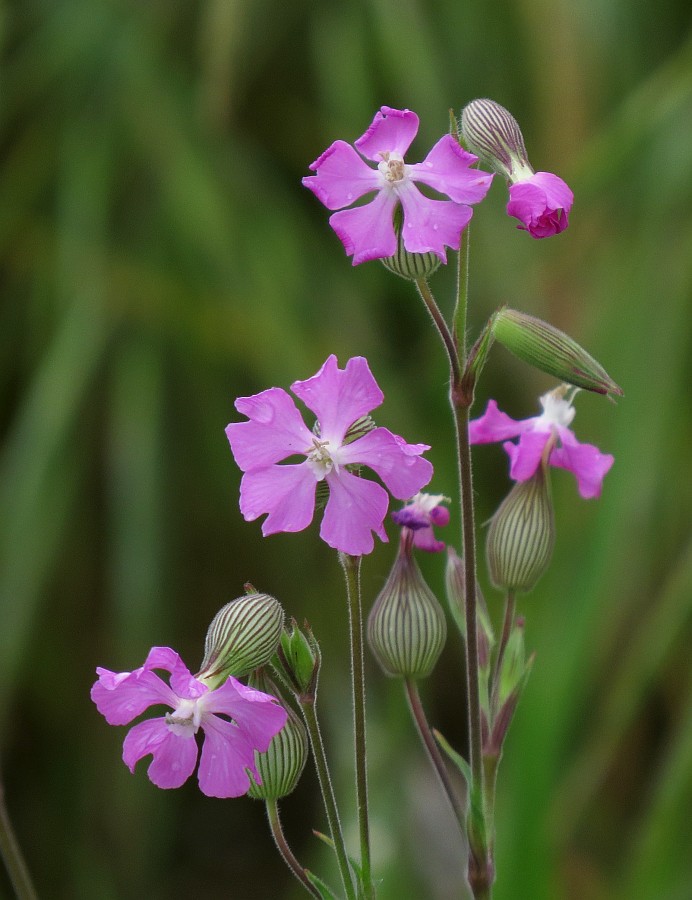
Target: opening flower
(429, 225)
(541, 202)
(419, 515)
(341, 441)
(236, 721)
(548, 433)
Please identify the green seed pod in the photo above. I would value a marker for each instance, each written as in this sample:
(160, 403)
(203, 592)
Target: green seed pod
(243, 635)
(406, 627)
(281, 766)
(493, 134)
(522, 534)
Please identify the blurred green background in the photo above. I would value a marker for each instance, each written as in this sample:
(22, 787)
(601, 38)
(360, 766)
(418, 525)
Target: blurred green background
(159, 257)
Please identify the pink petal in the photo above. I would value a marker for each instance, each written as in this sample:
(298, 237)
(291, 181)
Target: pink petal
(339, 396)
(391, 131)
(342, 176)
(356, 507)
(495, 425)
(526, 455)
(585, 461)
(446, 169)
(226, 753)
(286, 493)
(275, 431)
(431, 225)
(122, 696)
(399, 465)
(424, 539)
(257, 714)
(367, 232)
(541, 203)
(174, 756)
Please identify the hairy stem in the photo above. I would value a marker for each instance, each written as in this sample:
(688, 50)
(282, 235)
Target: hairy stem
(351, 566)
(310, 716)
(285, 851)
(433, 751)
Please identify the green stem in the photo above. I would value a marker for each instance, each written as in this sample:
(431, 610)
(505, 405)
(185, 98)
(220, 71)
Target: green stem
(461, 418)
(310, 716)
(461, 398)
(433, 751)
(12, 855)
(445, 334)
(351, 567)
(285, 851)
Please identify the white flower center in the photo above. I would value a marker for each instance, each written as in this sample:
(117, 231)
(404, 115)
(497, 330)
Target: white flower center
(392, 168)
(186, 717)
(323, 458)
(556, 409)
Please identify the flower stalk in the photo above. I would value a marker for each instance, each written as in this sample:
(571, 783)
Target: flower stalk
(307, 705)
(284, 849)
(461, 398)
(351, 567)
(433, 751)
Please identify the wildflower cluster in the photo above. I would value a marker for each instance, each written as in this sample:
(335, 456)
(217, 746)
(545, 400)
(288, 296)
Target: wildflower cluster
(409, 215)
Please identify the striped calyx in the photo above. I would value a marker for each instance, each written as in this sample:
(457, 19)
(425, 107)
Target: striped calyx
(412, 266)
(550, 350)
(522, 534)
(406, 626)
(282, 765)
(493, 134)
(243, 635)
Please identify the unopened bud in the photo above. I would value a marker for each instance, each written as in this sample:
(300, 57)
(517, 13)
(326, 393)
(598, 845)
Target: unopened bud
(243, 635)
(283, 763)
(493, 134)
(550, 350)
(298, 661)
(522, 534)
(406, 627)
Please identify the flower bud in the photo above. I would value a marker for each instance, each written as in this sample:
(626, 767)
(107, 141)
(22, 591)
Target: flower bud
(522, 534)
(411, 266)
(243, 635)
(283, 763)
(493, 134)
(406, 626)
(550, 350)
(298, 661)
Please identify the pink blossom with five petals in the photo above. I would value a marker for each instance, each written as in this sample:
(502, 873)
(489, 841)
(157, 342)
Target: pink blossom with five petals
(429, 225)
(549, 433)
(236, 721)
(542, 203)
(275, 431)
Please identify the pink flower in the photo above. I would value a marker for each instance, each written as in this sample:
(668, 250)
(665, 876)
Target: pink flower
(542, 203)
(236, 721)
(367, 231)
(340, 398)
(419, 515)
(549, 433)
